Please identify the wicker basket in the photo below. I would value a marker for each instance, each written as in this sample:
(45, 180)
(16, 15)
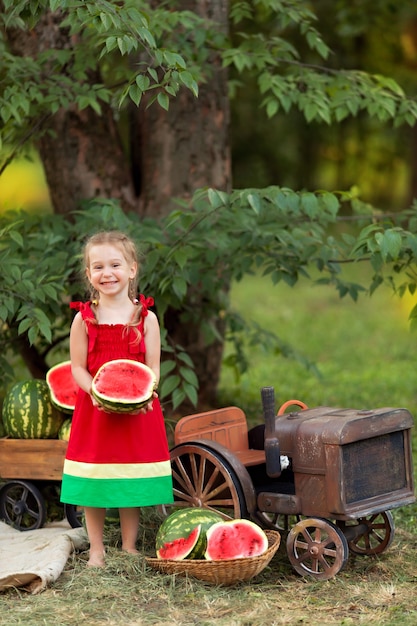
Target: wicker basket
(227, 572)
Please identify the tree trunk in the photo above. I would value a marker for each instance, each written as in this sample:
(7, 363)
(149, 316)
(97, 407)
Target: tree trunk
(178, 151)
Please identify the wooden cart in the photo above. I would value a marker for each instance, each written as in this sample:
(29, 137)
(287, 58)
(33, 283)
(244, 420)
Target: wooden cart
(27, 468)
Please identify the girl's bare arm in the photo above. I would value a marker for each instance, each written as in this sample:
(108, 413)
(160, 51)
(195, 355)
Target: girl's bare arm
(78, 352)
(153, 343)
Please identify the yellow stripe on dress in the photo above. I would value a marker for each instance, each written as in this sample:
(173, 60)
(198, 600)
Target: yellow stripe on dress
(116, 470)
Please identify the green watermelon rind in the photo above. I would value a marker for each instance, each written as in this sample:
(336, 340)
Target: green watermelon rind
(59, 404)
(64, 431)
(180, 548)
(181, 522)
(28, 412)
(214, 538)
(121, 405)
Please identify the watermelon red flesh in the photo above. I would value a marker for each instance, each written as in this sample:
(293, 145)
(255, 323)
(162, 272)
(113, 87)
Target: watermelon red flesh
(62, 386)
(179, 549)
(235, 539)
(123, 385)
(181, 522)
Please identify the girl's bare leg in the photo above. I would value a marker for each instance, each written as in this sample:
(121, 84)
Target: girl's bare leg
(129, 525)
(94, 519)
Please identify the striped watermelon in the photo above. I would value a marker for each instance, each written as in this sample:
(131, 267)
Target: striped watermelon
(181, 548)
(179, 526)
(28, 412)
(64, 431)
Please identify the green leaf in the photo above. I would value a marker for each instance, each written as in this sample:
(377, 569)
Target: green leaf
(178, 397)
(163, 100)
(310, 204)
(168, 385)
(189, 375)
(272, 107)
(188, 80)
(167, 367)
(24, 326)
(135, 94)
(390, 243)
(254, 202)
(179, 286)
(191, 393)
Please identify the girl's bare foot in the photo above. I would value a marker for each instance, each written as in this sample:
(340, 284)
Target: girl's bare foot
(131, 550)
(96, 559)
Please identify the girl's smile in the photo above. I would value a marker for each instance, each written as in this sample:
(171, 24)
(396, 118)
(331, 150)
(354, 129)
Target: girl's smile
(108, 270)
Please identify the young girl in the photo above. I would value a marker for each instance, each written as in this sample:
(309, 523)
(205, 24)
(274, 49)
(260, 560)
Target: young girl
(113, 460)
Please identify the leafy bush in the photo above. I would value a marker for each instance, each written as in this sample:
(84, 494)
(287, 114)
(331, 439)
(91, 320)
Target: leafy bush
(190, 259)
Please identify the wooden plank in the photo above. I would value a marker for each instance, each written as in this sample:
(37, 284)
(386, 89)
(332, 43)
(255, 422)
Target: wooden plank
(32, 459)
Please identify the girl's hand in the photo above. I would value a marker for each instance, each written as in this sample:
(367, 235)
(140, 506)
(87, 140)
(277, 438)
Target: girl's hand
(95, 403)
(147, 407)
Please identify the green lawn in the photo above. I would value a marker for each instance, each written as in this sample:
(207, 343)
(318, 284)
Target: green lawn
(364, 350)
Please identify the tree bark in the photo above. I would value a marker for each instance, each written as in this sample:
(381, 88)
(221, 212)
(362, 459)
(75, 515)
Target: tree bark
(178, 151)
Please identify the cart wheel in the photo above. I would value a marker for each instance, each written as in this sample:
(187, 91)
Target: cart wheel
(74, 515)
(317, 547)
(22, 505)
(374, 533)
(202, 478)
(276, 521)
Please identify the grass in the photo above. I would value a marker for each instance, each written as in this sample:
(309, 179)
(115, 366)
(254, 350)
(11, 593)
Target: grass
(365, 353)
(364, 350)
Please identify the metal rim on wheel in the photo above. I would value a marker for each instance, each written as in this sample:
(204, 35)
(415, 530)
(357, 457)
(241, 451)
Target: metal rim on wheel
(317, 547)
(22, 505)
(202, 478)
(374, 533)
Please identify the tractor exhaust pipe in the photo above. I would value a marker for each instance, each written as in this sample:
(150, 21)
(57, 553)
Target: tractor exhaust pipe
(272, 449)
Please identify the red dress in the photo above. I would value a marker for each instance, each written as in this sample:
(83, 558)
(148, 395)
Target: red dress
(115, 460)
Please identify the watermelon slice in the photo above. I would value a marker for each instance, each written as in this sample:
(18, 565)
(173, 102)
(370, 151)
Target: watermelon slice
(123, 385)
(179, 549)
(181, 522)
(235, 539)
(62, 386)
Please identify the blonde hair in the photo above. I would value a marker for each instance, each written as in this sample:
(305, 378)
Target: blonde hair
(128, 248)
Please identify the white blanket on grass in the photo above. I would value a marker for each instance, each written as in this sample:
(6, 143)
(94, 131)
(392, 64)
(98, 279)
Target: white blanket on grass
(35, 558)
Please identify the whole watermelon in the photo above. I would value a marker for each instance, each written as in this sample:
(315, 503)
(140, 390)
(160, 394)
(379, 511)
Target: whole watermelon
(181, 523)
(28, 412)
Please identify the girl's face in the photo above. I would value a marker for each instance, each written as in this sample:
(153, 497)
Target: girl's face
(109, 271)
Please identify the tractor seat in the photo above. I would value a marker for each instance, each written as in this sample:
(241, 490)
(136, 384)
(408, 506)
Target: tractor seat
(226, 426)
